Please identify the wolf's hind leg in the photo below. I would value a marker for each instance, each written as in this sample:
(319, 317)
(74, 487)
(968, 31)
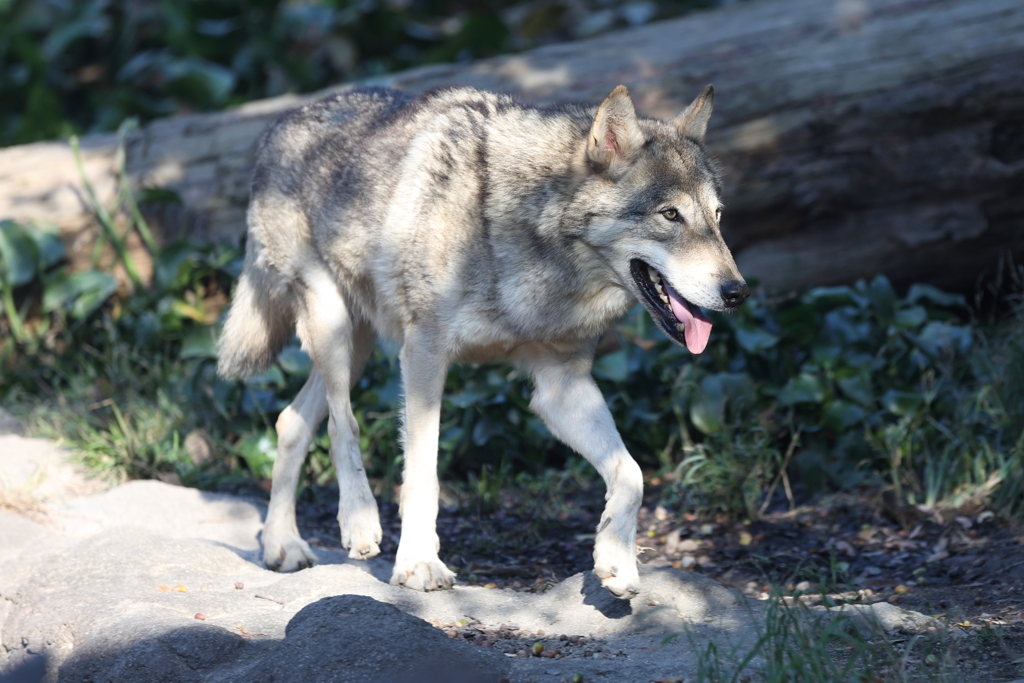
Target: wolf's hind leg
(283, 547)
(358, 516)
(424, 368)
(339, 344)
(568, 400)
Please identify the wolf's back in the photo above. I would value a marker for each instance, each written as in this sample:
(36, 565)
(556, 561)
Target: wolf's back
(261, 319)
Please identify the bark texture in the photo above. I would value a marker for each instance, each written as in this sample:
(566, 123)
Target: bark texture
(856, 136)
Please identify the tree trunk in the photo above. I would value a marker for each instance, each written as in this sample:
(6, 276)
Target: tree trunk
(856, 137)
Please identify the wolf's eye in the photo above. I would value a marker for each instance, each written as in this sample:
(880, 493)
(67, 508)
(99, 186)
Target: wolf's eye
(670, 214)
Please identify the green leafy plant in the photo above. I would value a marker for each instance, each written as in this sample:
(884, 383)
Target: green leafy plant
(27, 258)
(85, 66)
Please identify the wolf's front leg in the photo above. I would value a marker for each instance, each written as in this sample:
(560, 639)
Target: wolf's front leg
(572, 407)
(417, 565)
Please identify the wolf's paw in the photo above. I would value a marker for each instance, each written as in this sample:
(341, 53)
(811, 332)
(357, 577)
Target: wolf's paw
(422, 575)
(287, 552)
(618, 575)
(361, 538)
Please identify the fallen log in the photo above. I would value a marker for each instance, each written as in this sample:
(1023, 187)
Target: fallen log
(856, 137)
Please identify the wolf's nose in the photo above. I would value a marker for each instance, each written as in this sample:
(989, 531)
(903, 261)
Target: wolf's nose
(733, 293)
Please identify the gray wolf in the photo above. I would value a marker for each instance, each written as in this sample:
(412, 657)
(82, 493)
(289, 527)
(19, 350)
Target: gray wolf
(464, 226)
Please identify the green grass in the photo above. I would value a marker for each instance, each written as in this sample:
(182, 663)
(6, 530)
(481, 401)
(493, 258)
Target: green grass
(797, 644)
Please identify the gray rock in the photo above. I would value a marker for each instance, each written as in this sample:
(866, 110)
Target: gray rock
(35, 472)
(143, 647)
(889, 617)
(356, 639)
(107, 587)
(338, 639)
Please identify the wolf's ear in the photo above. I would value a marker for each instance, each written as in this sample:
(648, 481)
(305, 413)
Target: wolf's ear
(615, 136)
(693, 122)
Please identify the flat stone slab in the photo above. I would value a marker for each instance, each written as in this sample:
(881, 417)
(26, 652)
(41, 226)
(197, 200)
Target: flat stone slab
(149, 582)
(37, 471)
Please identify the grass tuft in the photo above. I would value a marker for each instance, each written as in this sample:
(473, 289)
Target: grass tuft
(798, 644)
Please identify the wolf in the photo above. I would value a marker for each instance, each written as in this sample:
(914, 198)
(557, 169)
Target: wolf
(464, 226)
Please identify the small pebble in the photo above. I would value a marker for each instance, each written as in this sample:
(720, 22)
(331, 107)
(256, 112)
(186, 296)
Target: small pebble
(538, 648)
(200, 616)
(978, 601)
(239, 585)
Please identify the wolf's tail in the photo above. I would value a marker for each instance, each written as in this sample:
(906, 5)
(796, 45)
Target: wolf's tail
(260, 322)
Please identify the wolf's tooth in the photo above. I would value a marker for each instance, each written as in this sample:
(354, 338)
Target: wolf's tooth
(681, 327)
(653, 275)
(657, 286)
(664, 298)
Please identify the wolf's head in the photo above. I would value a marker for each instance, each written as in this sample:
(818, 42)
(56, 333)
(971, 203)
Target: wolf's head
(653, 195)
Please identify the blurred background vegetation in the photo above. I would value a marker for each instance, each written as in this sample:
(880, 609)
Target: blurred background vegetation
(82, 66)
(835, 389)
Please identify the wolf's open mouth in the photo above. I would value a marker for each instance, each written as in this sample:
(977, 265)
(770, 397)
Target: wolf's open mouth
(680, 320)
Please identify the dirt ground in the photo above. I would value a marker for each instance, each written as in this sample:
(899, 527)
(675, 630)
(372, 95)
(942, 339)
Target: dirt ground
(968, 571)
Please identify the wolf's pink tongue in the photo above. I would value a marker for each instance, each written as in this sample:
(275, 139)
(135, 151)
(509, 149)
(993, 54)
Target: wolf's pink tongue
(697, 326)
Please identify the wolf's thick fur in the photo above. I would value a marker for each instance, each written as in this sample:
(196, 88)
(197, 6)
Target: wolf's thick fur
(465, 226)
